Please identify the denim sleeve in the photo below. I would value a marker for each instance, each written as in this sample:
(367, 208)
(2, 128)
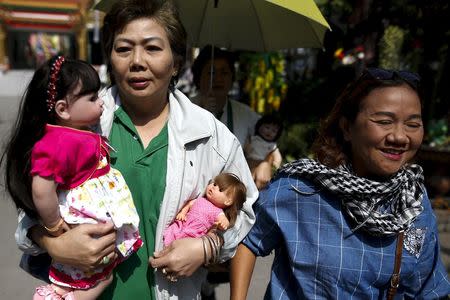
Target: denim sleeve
(434, 283)
(264, 235)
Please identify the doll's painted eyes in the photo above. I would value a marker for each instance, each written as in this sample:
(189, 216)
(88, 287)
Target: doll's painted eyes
(214, 184)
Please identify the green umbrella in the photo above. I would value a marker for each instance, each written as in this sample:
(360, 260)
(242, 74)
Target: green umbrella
(255, 25)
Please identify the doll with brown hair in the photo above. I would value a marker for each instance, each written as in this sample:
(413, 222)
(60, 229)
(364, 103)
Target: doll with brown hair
(263, 143)
(219, 206)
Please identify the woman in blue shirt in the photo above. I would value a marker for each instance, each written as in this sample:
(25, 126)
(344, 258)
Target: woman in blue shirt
(336, 222)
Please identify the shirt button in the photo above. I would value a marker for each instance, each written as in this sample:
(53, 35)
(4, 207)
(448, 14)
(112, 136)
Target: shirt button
(135, 137)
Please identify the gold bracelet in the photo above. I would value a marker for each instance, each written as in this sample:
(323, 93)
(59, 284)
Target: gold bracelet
(205, 252)
(55, 228)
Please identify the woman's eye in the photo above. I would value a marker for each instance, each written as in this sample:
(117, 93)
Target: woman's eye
(414, 124)
(384, 122)
(121, 49)
(153, 48)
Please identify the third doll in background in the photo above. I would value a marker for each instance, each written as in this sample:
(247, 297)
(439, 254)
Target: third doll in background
(263, 143)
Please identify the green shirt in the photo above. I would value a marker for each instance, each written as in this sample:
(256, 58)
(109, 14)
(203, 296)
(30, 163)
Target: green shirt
(144, 171)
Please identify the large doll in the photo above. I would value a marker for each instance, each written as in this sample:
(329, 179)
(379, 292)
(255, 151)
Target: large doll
(223, 198)
(68, 174)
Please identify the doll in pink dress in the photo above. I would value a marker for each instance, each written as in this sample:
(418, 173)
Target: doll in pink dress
(219, 206)
(71, 180)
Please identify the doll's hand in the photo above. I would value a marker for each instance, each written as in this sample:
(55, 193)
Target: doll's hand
(262, 174)
(222, 222)
(181, 216)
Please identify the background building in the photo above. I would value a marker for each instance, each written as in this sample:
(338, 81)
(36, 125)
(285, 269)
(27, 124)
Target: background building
(31, 31)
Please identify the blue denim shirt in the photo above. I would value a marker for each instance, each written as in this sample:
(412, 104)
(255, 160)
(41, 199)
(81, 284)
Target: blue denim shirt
(318, 256)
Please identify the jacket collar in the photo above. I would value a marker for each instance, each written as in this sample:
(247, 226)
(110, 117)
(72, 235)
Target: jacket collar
(188, 120)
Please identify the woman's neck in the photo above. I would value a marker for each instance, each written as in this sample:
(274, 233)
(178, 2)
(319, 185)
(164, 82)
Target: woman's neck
(148, 117)
(217, 105)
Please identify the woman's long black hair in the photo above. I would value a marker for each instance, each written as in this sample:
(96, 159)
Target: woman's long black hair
(30, 124)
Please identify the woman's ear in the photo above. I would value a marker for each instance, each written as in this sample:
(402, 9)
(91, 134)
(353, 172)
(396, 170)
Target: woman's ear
(344, 125)
(62, 109)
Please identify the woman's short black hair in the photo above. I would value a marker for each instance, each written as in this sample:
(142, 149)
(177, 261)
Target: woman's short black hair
(164, 13)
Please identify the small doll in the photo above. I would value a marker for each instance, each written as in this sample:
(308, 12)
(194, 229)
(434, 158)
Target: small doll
(219, 206)
(268, 130)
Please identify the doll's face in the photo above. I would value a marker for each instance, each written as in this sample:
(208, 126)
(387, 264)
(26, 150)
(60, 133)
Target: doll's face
(269, 131)
(217, 196)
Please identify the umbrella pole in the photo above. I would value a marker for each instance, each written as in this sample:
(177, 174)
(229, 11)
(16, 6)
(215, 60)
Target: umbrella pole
(216, 3)
(211, 68)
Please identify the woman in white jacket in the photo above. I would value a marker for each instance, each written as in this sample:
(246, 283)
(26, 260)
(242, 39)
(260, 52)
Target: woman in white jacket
(167, 149)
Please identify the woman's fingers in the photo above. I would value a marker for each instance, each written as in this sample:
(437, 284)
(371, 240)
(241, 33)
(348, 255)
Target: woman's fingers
(107, 258)
(160, 258)
(83, 246)
(182, 258)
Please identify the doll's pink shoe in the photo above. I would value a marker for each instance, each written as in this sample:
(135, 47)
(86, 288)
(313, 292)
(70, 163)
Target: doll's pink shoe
(46, 292)
(69, 296)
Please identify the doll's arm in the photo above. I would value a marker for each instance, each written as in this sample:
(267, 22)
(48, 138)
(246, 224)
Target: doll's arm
(181, 216)
(222, 222)
(247, 147)
(45, 200)
(276, 158)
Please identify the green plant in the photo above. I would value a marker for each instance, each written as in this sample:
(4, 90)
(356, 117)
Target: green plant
(296, 140)
(390, 47)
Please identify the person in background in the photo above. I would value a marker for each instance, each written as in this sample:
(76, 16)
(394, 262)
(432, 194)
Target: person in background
(165, 155)
(356, 221)
(213, 96)
(213, 81)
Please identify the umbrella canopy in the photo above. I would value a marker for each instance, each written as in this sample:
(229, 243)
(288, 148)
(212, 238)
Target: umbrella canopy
(255, 25)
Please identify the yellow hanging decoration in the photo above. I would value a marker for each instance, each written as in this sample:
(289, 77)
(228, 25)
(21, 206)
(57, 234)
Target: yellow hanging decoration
(266, 85)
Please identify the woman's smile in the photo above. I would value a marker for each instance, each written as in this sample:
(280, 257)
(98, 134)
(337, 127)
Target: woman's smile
(393, 154)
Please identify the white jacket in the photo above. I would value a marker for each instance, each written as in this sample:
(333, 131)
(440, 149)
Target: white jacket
(200, 147)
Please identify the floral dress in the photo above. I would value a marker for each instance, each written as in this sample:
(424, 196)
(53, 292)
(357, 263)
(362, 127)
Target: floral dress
(89, 191)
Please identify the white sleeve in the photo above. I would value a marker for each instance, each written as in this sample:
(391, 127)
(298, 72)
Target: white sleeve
(23, 242)
(237, 164)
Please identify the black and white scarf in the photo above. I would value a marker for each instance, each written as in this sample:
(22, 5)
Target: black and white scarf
(365, 200)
